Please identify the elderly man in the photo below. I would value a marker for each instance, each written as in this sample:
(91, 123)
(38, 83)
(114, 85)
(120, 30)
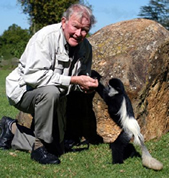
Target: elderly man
(57, 59)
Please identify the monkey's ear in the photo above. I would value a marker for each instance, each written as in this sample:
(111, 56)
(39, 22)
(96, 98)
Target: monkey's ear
(116, 83)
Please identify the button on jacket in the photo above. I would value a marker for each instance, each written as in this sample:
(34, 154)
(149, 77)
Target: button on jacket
(46, 61)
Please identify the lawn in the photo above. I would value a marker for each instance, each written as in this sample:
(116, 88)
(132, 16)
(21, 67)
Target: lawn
(92, 163)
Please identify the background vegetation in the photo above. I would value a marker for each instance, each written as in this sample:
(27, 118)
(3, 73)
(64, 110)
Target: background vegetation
(13, 42)
(157, 10)
(42, 13)
(92, 163)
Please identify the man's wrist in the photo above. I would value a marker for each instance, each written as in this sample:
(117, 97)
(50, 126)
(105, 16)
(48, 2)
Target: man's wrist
(74, 80)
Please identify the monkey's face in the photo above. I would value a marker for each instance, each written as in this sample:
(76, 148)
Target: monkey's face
(111, 91)
(115, 87)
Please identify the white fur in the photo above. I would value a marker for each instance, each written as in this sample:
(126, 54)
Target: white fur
(112, 91)
(130, 124)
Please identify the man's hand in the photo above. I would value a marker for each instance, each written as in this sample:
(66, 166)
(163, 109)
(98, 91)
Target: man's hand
(86, 83)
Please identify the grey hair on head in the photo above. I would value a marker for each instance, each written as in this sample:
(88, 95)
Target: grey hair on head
(80, 9)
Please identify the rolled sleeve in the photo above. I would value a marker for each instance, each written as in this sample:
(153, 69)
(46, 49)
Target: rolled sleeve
(65, 80)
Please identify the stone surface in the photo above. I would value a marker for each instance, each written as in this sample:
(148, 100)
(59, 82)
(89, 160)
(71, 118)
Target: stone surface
(135, 51)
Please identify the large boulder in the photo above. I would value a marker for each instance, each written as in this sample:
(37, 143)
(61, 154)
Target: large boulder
(135, 51)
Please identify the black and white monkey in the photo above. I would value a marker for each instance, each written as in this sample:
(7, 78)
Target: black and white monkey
(121, 111)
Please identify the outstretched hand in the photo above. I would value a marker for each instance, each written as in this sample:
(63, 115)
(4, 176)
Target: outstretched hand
(86, 83)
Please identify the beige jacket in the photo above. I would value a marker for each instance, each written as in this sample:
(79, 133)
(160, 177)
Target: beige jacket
(45, 61)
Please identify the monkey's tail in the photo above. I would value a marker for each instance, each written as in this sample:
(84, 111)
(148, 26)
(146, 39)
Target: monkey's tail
(131, 126)
(148, 161)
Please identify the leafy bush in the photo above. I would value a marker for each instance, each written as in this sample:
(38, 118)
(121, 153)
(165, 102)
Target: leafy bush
(13, 42)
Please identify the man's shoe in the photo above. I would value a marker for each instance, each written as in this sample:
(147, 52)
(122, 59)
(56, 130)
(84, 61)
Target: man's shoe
(6, 135)
(55, 148)
(43, 157)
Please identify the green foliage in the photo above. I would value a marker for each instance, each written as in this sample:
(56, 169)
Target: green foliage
(157, 10)
(42, 13)
(92, 163)
(13, 42)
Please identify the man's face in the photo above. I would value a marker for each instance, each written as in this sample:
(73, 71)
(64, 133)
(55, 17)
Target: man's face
(75, 29)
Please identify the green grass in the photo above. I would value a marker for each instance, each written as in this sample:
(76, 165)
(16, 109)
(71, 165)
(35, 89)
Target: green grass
(5, 108)
(92, 163)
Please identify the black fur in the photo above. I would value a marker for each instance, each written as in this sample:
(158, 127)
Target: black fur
(114, 104)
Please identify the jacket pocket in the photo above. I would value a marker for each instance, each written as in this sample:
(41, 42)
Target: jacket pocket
(62, 62)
